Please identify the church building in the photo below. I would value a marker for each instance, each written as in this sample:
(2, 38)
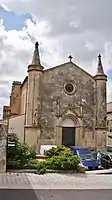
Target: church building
(63, 105)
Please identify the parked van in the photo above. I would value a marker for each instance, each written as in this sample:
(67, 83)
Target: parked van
(86, 157)
(44, 148)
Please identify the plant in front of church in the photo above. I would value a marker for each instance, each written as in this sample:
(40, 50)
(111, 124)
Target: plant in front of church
(42, 167)
(19, 154)
(55, 151)
(64, 161)
(33, 163)
(60, 158)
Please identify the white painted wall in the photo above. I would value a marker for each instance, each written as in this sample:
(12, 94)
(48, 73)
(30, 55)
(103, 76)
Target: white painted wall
(16, 125)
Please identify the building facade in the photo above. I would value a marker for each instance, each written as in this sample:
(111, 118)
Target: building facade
(61, 105)
(109, 127)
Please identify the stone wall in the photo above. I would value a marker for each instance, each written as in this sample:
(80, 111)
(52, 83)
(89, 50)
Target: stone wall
(15, 98)
(2, 148)
(55, 101)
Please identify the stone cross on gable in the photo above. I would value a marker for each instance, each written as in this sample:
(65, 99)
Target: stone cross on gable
(70, 57)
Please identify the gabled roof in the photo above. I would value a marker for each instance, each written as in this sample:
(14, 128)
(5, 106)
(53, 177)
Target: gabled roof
(52, 68)
(61, 65)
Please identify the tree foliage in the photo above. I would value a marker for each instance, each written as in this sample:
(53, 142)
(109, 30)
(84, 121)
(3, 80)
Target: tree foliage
(60, 158)
(19, 154)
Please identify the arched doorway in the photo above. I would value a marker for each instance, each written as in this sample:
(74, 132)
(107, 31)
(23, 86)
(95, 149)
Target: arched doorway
(68, 132)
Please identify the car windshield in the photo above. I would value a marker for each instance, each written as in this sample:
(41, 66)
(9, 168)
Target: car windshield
(87, 157)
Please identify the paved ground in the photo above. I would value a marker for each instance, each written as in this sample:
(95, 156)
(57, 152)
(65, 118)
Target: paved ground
(55, 181)
(101, 171)
(55, 194)
(53, 186)
(18, 181)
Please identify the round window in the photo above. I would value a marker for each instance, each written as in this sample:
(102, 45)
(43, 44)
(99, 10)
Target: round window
(70, 87)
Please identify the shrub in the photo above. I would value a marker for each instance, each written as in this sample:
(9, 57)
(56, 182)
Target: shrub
(20, 150)
(14, 164)
(62, 162)
(42, 167)
(19, 155)
(55, 151)
(33, 163)
(60, 158)
(22, 156)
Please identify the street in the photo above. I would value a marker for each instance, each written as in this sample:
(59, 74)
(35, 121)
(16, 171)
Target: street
(55, 194)
(55, 181)
(54, 186)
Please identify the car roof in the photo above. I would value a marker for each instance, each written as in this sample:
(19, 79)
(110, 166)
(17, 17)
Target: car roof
(78, 148)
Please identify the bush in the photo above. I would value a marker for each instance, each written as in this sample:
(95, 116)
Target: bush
(42, 167)
(60, 158)
(33, 163)
(19, 155)
(20, 150)
(22, 156)
(55, 151)
(62, 162)
(14, 164)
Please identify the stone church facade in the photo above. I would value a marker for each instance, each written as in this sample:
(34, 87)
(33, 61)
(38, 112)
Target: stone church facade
(61, 105)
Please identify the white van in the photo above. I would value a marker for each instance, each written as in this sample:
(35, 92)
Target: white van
(43, 148)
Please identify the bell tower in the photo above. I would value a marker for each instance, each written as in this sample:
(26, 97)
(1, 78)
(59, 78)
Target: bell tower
(101, 106)
(33, 110)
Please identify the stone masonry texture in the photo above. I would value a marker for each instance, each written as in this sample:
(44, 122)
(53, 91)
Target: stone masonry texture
(55, 102)
(48, 104)
(2, 149)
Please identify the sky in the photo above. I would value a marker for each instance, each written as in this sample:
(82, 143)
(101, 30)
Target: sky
(80, 28)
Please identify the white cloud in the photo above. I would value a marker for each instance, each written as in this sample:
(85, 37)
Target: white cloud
(16, 53)
(62, 28)
(5, 7)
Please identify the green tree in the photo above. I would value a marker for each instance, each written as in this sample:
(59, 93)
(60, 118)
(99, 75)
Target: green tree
(19, 154)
